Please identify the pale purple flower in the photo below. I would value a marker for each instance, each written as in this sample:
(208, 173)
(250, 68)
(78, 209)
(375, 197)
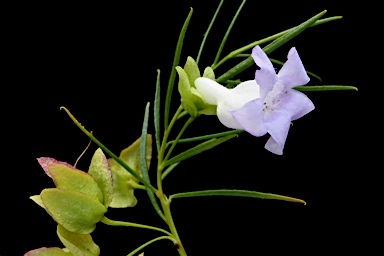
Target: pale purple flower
(278, 103)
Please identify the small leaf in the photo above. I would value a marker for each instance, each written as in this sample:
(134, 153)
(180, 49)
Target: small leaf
(51, 251)
(74, 210)
(70, 178)
(78, 244)
(99, 170)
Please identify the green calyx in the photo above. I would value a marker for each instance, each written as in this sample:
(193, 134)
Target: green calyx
(190, 98)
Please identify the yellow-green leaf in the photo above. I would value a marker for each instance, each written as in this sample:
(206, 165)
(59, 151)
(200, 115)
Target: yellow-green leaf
(52, 251)
(123, 191)
(72, 179)
(99, 170)
(74, 210)
(78, 244)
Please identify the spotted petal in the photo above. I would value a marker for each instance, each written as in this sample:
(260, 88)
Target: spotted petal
(251, 117)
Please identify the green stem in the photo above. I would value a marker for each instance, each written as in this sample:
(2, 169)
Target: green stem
(136, 186)
(150, 242)
(166, 134)
(189, 121)
(109, 222)
(167, 212)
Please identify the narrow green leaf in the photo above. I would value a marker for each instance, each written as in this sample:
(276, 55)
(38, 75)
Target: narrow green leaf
(227, 34)
(207, 32)
(198, 149)
(156, 111)
(270, 48)
(106, 150)
(238, 52)
(241, 193)
(318, 88)
(210, 136)
(167, 171)
(143, 162)
(173, 70)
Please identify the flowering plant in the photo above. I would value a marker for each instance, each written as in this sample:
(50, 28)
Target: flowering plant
(267, 102)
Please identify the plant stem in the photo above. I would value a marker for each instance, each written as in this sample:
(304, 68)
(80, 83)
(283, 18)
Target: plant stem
(107, 221)
(160, 194)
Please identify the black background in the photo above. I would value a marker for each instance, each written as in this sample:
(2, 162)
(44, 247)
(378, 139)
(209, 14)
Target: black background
(100, 61)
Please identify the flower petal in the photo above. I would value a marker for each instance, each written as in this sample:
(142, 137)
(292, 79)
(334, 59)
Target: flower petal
(209, 90)
(228, 100)
(251, 117)
(278, 126)
(266, 76)
(297, 104)
(293, 73)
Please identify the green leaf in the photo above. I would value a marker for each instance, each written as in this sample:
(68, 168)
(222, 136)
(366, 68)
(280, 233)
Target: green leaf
(78, 244)
(208, 30)
(198, 149)
(99, 170)
(172, 77)
(227, 33)
(51, 251)
(270, 48)
(241, 193)
(156, 110)
(143, 161)
(318, 88)
(123, 191)
(70, 178)
(74, 210)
